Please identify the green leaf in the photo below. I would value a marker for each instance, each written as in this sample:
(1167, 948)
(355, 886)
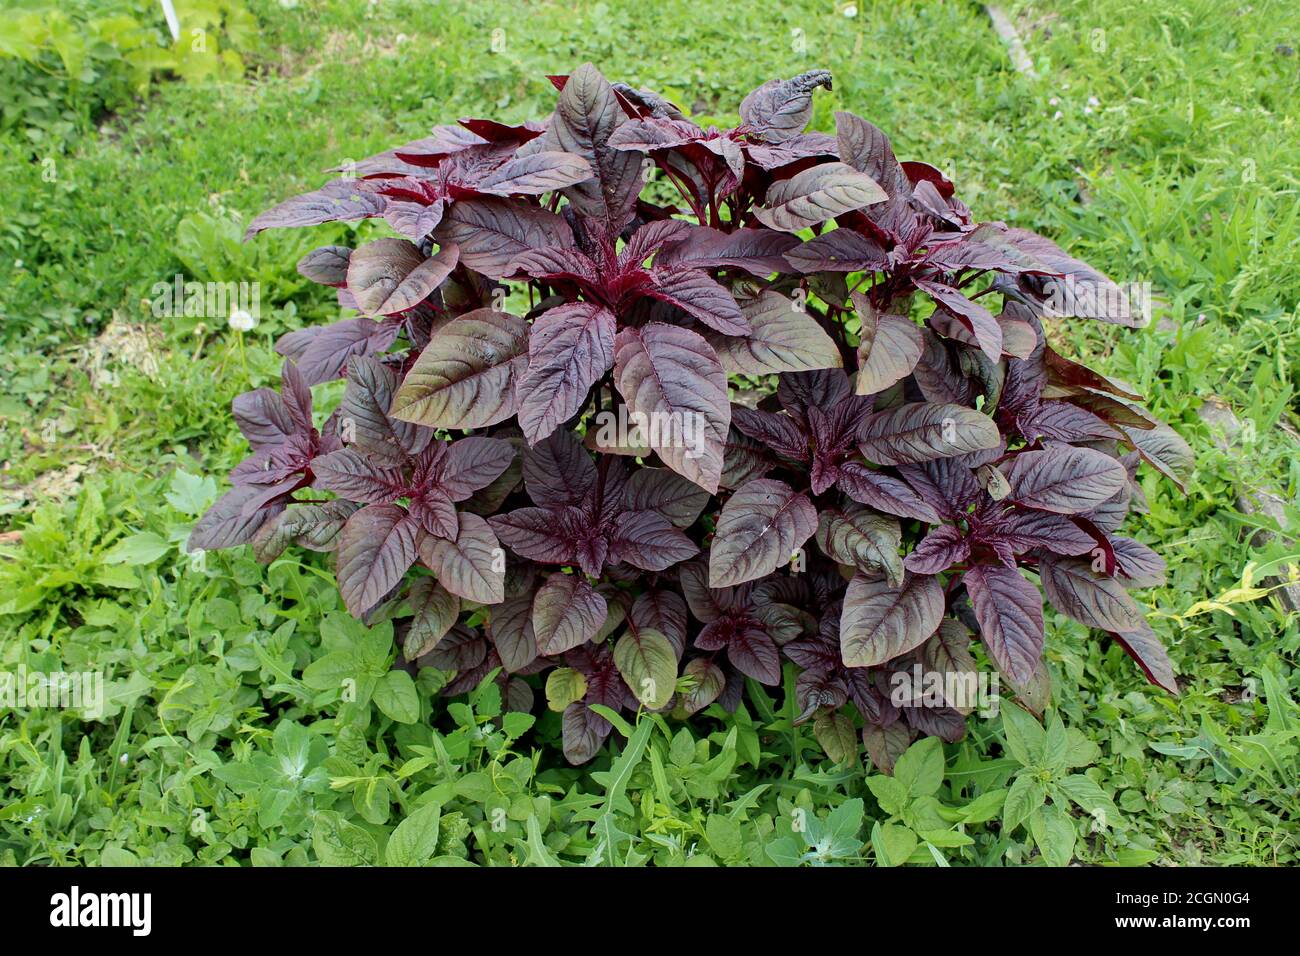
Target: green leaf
(1053, 831)
(984, 807)
(620, 772)
(190, 494)
(564, 686)
(842, 826)
(724, 836)
(1090, 798)
(330, 671)
(396, 697)
(1025, 736)
(340, 843)
(415, 840)
(948, 839)
(893, 843)
(889, 793)
(1024, 797)
(1080, 751)
(1056, 746)
(838, 737)
(648, 663)
(143, 548)
(920, 768)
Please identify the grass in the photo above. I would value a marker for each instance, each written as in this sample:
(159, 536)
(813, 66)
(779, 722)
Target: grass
(1162, 148)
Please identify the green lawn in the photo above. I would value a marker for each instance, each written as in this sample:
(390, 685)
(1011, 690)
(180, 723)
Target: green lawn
(1158, 141)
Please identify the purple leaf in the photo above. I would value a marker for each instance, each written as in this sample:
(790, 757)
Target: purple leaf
(923, 431)
(472, 566)
(227, 523)
(781, 433)
(585, 117)
(662, 611)
(800, 391)
(414, 220)
(654, 236)
(492, 232)
(473, 463)
(548, 535)
(884, 493)
(1026, 530)
(840, 250)
(322, 351)
(671, 380)
(885, 744)
(759, 529)
(435, 610)
(558, 471)
(556, 262)
(890, 347)
(755, 655)
(342, 200)
(315, 527)
(327, 265)
(510, 628)
(757, 251)
(867, 149)
(1010, 614)
(1139, 566)
(979, 320)
(803, 146)
(939, 550)
(1064, 479)
(701, 298)
(376, 548)
(881, 622)
(647, 540)
(1144, 647)
(709, 681)
(571, 347)
(567, 612)
(816, 195)
(354, 476)
(583, 731)
(1091, 599)
(435, 513)
(466, 376)
(535, 173)
(388, 276)
(263, 417)
(863, 540)
(780, 109)
(364, 419)
(782, 338)
(667, 493)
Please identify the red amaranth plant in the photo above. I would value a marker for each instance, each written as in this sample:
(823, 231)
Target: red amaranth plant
(617, 488)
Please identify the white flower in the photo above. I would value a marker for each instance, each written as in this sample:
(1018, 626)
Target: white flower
(851, 10)
(1053, 101)
(1057, 115)
(241, 320)
(1093, 101)
(1087, 110)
